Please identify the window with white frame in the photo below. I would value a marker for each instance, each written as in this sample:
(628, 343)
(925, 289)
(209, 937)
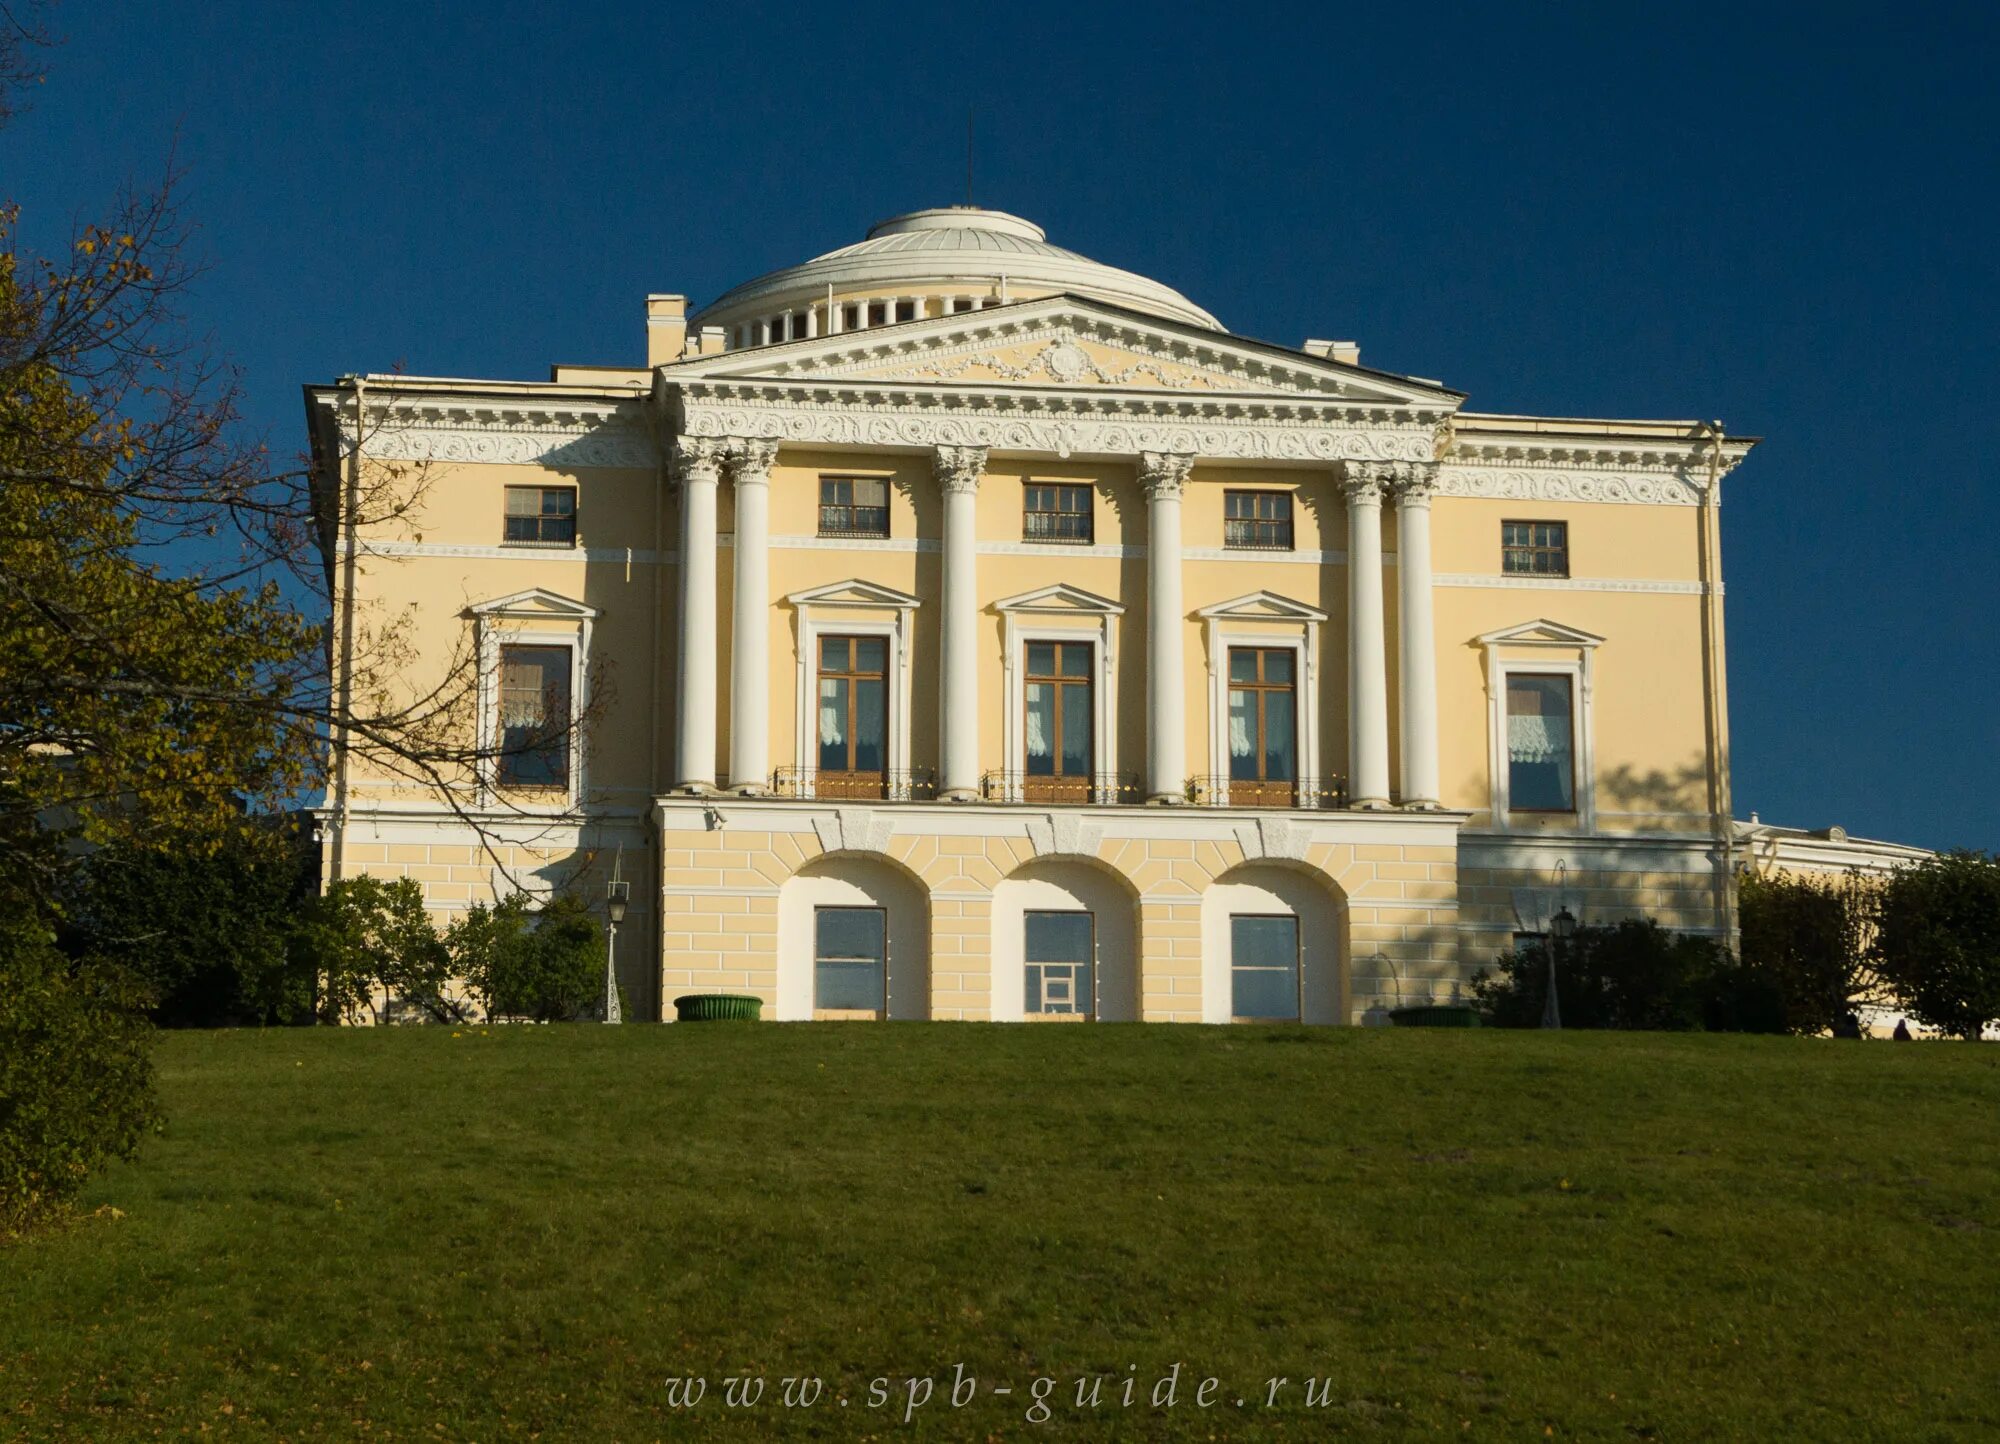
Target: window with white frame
(850, 961)
(1540, 751)
(1059, 949)
(1264, 967)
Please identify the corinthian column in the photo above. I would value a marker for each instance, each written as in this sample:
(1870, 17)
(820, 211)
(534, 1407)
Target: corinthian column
(750, 619)
(1367, 662)
(1164, 476)
(958, 471)
(698, 465)
(1417, 673)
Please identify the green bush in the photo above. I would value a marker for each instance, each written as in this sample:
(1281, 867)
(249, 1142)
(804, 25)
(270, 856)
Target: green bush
(1937, 940)
(363, 933)
(548, 966)
(76, 1079)
(1629, 974)
(1805, 940)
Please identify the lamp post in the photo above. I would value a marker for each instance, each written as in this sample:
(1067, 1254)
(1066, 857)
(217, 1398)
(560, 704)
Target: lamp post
(617, 895)
(1562, 927)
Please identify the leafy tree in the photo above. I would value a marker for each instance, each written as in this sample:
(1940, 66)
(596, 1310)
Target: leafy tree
(1807, 936)
(548, 966)
(1937, 941)
(1628, 974)
(363, 934)
(75, 1072)
(208, 928)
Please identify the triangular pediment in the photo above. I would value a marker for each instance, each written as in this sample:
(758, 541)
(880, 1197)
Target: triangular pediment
(535, 602)
(1068, 343)
(854, 593)
(1062, 597)
(1540, 632)
(1263, 606)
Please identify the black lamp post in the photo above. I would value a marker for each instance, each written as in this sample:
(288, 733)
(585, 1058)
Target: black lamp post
(1562, 927)
(617, 896)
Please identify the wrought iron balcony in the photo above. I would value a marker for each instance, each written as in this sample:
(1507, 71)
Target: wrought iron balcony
(1324, 793)
(916, 785)
(1098, 788)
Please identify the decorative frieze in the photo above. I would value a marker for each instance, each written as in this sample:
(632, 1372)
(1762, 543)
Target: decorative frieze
(1060, 425)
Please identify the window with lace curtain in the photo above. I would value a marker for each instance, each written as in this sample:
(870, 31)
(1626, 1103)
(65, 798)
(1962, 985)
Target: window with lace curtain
(534, 717)
(1263, 726)
(1060, 722)
(1541, 745)
(853, 708)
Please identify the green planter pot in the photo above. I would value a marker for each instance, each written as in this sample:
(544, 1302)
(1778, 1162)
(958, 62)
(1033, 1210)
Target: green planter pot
(1436, 1015)
(717, 1007)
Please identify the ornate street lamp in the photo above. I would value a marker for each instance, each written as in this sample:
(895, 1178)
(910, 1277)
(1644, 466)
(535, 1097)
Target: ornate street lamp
(617, 897)
(1562, 927)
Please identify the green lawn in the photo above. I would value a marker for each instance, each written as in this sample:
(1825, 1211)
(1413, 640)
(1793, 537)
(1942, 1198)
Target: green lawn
(418, 1234)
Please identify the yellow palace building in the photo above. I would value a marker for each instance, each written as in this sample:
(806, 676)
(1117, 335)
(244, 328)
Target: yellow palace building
(960, 628)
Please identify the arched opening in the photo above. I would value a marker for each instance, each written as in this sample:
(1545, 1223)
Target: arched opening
(1065, 944)
(853, 941)
(1273, 947)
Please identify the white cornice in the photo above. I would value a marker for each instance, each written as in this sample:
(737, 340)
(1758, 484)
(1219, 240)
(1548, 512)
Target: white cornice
(562, 431)
(1064, 423)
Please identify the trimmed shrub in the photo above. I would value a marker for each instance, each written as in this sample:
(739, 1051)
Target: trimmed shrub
(76, 1081)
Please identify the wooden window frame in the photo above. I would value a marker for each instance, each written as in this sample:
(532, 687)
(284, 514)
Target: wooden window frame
(1029, 511)
(851, 782)
(1262, 791)
(540, 518)
(1059, 786)
(1533, 549)
(1245, 533)
(850, 508)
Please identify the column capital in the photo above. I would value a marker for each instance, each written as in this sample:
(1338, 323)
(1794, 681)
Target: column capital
(1408, 481)
(1164, 474)
(749, 459)
(958, 468)
(697, 458)
(1414, 482)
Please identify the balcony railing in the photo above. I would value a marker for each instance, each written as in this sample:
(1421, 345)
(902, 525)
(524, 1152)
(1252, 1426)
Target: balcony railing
(1099, 788)
(1257, 534)
(1072, 528)
(918, 785)
(1304, 792)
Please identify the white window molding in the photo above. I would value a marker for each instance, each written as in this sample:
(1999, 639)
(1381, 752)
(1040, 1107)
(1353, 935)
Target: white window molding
(831, 610)
(1060, 613)
(1553, 649)
(532, 618)
(1246, 621)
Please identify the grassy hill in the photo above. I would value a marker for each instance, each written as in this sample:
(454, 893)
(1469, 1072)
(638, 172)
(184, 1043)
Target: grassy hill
(531, 1231)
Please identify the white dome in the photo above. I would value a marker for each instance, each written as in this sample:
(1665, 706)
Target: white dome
(950, 250)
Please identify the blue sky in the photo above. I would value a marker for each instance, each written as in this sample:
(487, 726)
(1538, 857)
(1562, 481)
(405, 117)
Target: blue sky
(1783, 218)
